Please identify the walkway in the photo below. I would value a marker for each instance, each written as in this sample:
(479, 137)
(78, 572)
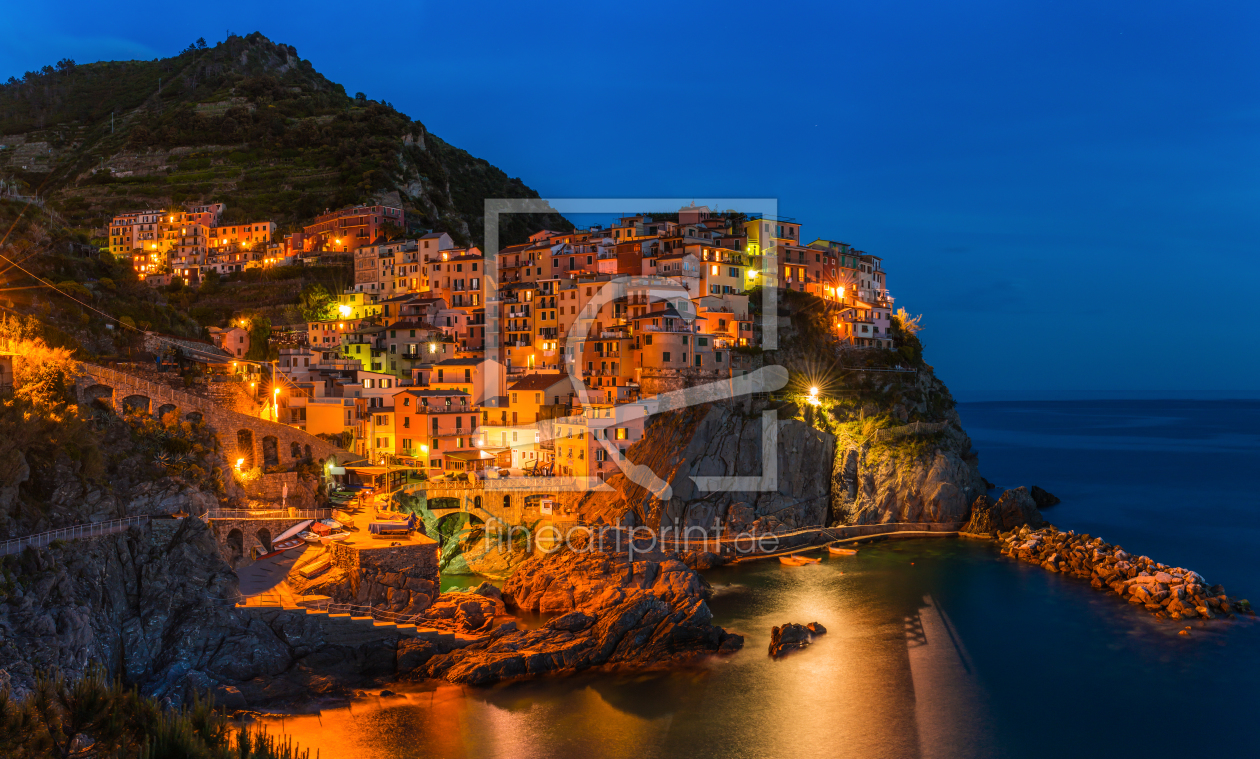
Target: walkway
(70, 533)
(263, 582)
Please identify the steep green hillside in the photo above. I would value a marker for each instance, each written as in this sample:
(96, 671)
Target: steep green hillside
(247, 122)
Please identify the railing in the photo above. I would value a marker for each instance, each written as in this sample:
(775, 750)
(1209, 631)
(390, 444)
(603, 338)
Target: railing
(70, 533)
(269, 514)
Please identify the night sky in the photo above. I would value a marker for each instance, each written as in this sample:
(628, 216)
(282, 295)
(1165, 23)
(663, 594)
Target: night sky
(1069, 191)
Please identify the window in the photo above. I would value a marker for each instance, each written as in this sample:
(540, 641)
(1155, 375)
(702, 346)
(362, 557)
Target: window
(513, 397)
(665, 356)
(697, 359)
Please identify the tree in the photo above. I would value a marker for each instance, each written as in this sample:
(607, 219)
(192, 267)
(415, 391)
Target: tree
(259, 339)
(360, 97)
(200, 43)
(210, 282)
(317, 302)
(65, 64)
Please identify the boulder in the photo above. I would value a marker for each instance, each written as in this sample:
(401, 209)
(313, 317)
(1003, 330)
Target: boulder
(1015, 508)
(1043, 498)
(793, 637)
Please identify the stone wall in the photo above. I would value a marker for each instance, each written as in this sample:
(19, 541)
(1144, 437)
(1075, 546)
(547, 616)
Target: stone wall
(401, 578)
(270, 487)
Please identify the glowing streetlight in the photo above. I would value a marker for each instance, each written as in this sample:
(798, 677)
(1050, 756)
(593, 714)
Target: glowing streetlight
(239, 462)
(345, 310)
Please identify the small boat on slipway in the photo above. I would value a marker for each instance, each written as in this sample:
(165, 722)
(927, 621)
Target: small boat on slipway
(795, 560)
(836, 550)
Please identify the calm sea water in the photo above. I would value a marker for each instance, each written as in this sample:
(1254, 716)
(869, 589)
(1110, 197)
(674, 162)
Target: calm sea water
(936, 648)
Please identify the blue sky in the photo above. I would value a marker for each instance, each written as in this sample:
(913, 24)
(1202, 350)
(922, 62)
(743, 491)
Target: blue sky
(1069, 191)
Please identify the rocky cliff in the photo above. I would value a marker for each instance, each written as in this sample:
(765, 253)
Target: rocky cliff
(881, 443)
(156, 605)
(612, 614)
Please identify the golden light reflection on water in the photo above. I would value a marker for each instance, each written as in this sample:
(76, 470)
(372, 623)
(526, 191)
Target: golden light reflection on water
(852, 693)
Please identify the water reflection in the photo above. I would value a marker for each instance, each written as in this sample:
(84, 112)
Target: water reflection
(853, 693)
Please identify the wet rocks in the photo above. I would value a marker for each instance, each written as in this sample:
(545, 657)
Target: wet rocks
(1014, 509)
(1043, 498)
(613, 613)
(1167, 592)
(793, 637)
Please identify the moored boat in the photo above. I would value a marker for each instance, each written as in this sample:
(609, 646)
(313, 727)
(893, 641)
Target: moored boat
(835, 550)
(794, 560)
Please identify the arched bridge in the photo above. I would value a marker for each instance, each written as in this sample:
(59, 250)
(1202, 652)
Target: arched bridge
(260, 442)
(513, 500)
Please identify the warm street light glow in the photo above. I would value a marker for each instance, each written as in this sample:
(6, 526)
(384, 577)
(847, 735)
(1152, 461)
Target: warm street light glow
(239, 462)
(345, 310)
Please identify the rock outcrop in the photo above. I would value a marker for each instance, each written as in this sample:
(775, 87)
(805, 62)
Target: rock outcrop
(902, 482)
(1013, 510)
(613, 614)
(793, 637)
(1043, 498)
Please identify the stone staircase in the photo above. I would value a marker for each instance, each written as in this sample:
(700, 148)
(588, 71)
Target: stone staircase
(349, 628)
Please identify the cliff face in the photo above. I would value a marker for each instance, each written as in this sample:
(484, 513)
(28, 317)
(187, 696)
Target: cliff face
(882, 445)
(156, 605)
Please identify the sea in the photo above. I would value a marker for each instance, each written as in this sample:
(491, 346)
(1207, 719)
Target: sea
(937, 647)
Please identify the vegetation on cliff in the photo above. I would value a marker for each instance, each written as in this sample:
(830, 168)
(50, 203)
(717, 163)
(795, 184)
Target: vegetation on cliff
(244, 121)
(94, 716)
(62, 463)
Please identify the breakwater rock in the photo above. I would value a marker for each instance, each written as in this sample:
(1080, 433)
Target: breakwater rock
(1014, 509)
(614, 614)
(1167, 592)
(793, 637)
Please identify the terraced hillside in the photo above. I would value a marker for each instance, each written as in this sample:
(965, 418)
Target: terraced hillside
(246, 121)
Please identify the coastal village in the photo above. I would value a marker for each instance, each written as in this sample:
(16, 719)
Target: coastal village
(442, 360)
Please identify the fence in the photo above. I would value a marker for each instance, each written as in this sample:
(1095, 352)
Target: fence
(269, 514)
(70, 533)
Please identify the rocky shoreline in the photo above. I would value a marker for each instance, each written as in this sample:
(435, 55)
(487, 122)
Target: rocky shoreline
(1167, 592)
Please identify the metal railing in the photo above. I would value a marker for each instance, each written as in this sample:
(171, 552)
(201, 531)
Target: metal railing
(70, 533)
(269, 514)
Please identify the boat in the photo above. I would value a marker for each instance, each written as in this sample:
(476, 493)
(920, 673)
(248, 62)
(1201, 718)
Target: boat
(285, 545)
(794, 560)
(334, 537)
(310, 537)
(835, 550)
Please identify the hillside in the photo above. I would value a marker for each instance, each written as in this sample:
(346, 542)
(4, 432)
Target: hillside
(247, 122)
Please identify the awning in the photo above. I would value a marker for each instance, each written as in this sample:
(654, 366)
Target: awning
(470, 456)
(336, 470)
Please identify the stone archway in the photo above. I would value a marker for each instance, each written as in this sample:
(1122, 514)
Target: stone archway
(307, 450)
(235, 543)
(194, 416)
(100, 395)
(270, 451)
(245, 448)
(264, 539)
(136, 404)
(164, 409)
(295, 450)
